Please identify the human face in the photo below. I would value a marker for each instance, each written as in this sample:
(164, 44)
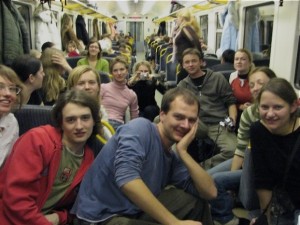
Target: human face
(37, 79)
(7, 97)
(77, 125)
(256, 81)
(71, 48)
(275, 113)
(178, 121)
(119, 72)
(242, 62)
(88, 82)
(143, 69)
(94, 49)
(192, 64)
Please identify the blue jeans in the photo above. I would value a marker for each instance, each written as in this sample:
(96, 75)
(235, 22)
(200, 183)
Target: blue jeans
(115, 124)
(225, 180)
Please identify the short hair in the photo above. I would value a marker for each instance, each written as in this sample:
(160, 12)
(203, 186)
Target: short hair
(118, 59)
(76, 73)
(281, 88)
(266, 70)
(77, 97)
(46, 45)
(228, 56)
(188, 96)
(9, 74)
(24, 65)
(192, 51)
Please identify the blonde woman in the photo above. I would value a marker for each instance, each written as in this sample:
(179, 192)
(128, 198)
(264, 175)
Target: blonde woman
(187, 36)
(68, 33)
(145, 85)
(55, 66)
(87, 79)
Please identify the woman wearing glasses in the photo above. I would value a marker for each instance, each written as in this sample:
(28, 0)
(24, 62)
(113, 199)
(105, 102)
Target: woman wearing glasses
(10, 93)
(93, 58)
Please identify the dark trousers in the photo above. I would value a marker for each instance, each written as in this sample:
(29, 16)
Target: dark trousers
(183, 205)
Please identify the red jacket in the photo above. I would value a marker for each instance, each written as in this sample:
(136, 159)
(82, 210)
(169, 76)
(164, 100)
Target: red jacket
(28, 175)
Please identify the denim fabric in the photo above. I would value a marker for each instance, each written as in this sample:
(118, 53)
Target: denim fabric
(115, 124)
(226, 181)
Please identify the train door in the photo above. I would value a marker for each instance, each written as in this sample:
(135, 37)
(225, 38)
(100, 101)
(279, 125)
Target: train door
(137, 31)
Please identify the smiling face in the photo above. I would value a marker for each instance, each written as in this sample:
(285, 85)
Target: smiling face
(7, 97)
(178, 121)
(94, 49)
(242, 62)
(256, 81)
(77, 125)
(88, 82)
(192, 64)
(275, 113)
(119, 72)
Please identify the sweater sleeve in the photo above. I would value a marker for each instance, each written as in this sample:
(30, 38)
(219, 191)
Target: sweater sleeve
(134, 107)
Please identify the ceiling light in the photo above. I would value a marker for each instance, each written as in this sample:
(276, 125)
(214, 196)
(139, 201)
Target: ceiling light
(136, 1)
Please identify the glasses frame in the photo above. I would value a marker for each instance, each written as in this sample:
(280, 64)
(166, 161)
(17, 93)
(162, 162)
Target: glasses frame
(12, 89)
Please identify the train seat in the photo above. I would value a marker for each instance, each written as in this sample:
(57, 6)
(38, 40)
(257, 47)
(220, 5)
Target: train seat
(226, 73)
(211, 61)
(30, 116)
(104, 77)
(73, 60)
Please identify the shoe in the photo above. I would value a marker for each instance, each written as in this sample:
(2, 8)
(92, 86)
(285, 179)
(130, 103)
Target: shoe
(234, 221)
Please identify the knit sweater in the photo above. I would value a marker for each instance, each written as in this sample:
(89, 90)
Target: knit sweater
(116, 98)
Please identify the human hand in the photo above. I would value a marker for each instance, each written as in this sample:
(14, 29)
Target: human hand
(61, 60)
(53, 218)
(183, 144)
(188, 222)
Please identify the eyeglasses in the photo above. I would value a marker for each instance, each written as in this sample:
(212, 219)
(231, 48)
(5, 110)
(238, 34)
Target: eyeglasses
(12, 89)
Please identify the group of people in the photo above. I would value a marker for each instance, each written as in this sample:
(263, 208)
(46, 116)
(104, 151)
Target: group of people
(144, 172)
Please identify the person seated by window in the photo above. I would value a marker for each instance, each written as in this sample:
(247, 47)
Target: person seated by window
(116, 96)
(227, 61)
(276, 153)
(243, 64)
(31, 73)
(144, 85)
(10, 94)
(71, 49)
(87, 79)
(55, 67)
(40, 179)
(94, 58)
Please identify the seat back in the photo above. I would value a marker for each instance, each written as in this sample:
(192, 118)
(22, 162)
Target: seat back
(30, 116)
(211, 61)
(104, 77)
(261, 62)
(226, 73)
(73, 60)
(163, 58)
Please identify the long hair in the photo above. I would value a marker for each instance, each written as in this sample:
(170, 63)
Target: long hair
(53, 83)
(68, 33)
(189, 20)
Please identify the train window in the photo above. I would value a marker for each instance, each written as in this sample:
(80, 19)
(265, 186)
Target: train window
(258, 29)
(204, 27)
(218, 32)
(25, 13)
(297, 75)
